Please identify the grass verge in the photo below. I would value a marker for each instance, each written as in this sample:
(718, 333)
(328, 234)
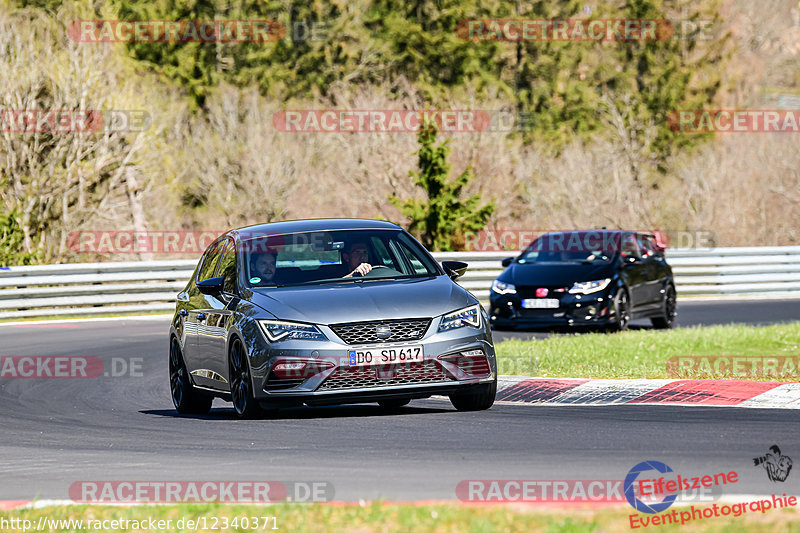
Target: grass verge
(378, 517)
(644, 353)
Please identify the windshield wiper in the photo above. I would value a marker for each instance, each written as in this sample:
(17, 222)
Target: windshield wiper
(317, 281)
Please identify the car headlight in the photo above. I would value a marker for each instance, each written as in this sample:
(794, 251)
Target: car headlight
(501, 287)
(469, 316)
(588, 287)
(277, 330)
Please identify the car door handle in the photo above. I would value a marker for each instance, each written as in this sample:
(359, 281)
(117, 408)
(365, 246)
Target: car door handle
(183, 312)
(201, 316)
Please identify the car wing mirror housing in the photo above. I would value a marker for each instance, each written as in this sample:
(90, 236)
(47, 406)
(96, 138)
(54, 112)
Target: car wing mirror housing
(507, 261)
(455, 269)
(211, 286)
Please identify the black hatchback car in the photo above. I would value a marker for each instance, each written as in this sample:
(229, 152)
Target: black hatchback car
(599, 279)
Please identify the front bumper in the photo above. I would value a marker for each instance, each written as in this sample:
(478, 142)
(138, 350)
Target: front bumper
(442, 370)
(574, 310)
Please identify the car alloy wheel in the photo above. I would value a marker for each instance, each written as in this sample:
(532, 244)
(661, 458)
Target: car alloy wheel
(186, 399)
(670, 310)
(241, 388)
(622, 309)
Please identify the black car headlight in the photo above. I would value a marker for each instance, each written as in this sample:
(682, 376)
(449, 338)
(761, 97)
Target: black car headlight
(468, 316)
(588, 287)
(279, 330)
(501, 287)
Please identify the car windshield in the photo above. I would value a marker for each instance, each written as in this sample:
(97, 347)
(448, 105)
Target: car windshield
(319, 257)
(588, 247)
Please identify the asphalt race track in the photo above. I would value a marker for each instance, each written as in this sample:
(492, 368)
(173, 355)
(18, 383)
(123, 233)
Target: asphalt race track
(56, 432)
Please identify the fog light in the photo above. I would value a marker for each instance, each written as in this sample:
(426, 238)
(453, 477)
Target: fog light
(289, 370)
(472, 362)
(299, 369)
(592, 311)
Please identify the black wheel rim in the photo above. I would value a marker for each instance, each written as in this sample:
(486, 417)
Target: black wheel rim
(176, 374)
(669, 305)
(622, 310)
(240, 379)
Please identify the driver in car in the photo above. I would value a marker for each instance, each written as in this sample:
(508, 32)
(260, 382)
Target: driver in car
(356, 258)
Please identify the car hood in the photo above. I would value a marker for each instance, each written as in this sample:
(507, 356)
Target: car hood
(354, 301)
(555, 274)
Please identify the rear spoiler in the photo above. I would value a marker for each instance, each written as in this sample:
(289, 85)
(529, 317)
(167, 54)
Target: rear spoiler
(662, 240)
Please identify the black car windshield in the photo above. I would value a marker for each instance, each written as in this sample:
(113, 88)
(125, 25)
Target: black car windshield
(319, 257)
(579, 247)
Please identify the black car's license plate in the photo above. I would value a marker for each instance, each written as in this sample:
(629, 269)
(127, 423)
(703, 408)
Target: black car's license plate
(541, 303)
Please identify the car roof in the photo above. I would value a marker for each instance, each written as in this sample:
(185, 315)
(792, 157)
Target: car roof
(598, 231)
(316, 224)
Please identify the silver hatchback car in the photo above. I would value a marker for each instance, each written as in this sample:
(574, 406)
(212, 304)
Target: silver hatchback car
(327, 312)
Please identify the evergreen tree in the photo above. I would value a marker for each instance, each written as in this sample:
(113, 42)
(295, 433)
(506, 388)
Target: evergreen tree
(443, 218)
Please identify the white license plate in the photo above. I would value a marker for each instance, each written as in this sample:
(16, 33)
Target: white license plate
(540, 303)
(385, 355)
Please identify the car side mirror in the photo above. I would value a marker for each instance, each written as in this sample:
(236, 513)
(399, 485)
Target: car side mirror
(507, 261)
(211, 286)
(454, 269)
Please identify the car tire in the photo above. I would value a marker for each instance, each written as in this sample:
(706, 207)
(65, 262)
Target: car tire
(622, 305)
(241, 386)
(667, 321)
(480, 400)
(393, 404)
(186, 399)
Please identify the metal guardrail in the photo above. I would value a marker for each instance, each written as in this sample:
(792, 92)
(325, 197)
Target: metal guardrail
(137, 286)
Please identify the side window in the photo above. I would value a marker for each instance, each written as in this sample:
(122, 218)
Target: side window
(651, 242)
(646, 246)
(408, 258)
(629, 246)
(381, 256)
(227, 267)
(210, 260)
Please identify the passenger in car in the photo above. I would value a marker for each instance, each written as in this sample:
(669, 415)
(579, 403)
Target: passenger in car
(262, 268)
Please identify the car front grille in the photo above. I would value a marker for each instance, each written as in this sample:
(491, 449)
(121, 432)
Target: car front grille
(367, 332)
(530, 291)
(385, 376)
